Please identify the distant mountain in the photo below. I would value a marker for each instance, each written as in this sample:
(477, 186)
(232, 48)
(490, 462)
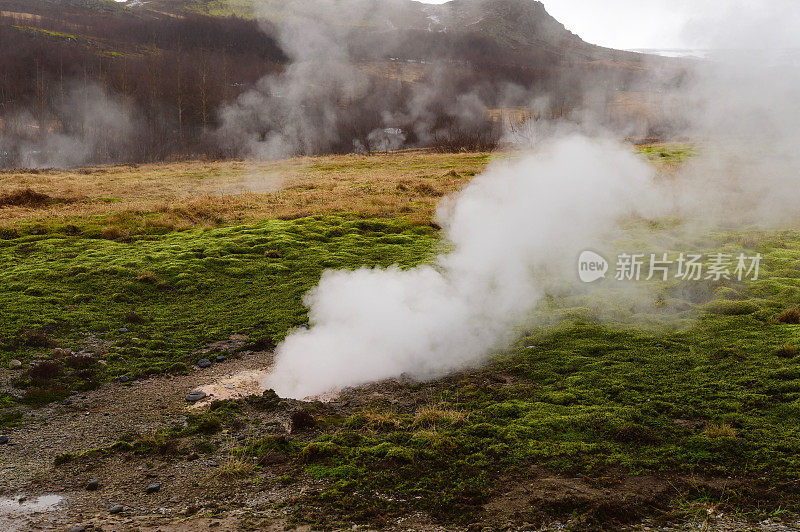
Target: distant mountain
(510, 32)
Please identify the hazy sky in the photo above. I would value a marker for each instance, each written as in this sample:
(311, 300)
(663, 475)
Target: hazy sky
(680, 23)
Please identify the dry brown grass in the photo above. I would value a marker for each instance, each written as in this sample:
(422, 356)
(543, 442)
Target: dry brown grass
(789, 316)
(25, 197)
(720, 430)
(433, 415)
(190, 194)
(380, 419)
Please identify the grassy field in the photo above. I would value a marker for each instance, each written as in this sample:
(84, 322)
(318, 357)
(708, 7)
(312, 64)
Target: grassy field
(159, 198)
(693, 394)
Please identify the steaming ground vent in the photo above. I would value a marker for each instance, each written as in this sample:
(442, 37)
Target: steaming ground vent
(243, 384)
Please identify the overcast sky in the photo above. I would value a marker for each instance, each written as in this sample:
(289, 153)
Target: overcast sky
(680, 23)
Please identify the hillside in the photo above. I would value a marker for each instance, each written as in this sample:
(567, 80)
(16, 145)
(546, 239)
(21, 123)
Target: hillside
(168, 70)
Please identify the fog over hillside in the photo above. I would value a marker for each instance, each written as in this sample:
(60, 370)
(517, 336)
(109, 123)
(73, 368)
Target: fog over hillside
(359, 75)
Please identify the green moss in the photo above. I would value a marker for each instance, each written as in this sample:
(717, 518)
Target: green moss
(592, 386)
(185, 289)
(668, 153)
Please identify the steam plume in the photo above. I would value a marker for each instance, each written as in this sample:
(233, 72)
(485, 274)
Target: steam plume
(512, 221)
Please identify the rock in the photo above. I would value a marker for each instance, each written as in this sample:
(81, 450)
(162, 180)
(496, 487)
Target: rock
(193, 397)
(124, 378)
(3, 440)
(204, 363)
(117, 508)
(154, 487)
(15, 364)
(220, 358)
(123, 330)
(92, 485)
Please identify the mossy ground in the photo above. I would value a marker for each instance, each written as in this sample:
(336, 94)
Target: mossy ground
(157, 299)
(702, 381)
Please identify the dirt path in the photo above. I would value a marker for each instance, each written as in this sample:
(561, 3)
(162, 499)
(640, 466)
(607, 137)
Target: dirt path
(98, 419)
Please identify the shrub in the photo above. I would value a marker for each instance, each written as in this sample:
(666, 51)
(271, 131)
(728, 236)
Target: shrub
(132, 317)
(31, 338)
(716, 431)
(44, 372)
(786, 351)
(24, 198)
(789, 316)
(301, 420)
(318, 450)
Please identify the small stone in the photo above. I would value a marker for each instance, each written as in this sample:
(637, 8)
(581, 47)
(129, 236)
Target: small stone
(124, 378)
(117, 508)
(3, 440)
(193, 397)
(15, 364)
(220, 358)
(204, 363)
(154, 487)
(123, 330)
(92, 485)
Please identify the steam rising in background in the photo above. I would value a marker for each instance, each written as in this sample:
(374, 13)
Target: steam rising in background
(101, 127)
(326, 99)
(297, 111)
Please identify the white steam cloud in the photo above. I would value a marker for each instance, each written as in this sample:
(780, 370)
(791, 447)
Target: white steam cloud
(512, 221)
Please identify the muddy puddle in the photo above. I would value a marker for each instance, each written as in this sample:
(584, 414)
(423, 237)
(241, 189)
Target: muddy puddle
(25, 506)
